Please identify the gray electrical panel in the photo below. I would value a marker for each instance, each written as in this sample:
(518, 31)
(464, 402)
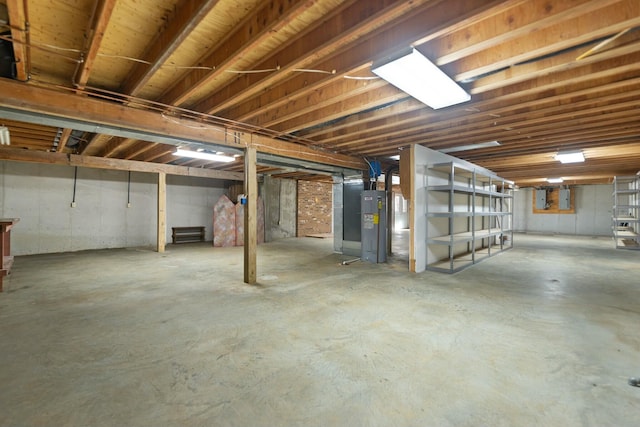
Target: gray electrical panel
(541, 199)
(565, 199)
(374, 226)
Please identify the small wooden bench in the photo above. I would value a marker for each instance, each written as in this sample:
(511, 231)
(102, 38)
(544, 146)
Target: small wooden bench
(187, 234)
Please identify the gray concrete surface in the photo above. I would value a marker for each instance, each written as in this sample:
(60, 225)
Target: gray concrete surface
(543, 335)
(280, 207)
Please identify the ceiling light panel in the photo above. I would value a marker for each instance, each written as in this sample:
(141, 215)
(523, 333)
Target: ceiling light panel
(414, 74)
(203, 155)
(570, 156)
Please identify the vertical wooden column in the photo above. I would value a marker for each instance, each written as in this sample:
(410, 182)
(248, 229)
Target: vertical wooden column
(162, 211)
(408, 184)
(250, 216)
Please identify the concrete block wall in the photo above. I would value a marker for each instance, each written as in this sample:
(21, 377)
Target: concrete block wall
(315, 207)
(41, 195)
(280, 208)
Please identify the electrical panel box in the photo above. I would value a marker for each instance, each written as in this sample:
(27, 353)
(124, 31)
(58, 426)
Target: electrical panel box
(564, 202)
(541, 199)
(374, 226)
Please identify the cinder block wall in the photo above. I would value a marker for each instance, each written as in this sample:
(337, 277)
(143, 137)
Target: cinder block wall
(41, 195)
(315, 207)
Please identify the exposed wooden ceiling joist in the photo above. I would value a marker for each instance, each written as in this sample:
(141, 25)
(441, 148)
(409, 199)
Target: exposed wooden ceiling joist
(93, 39)
(101, 113)
(114, 164)
(185, 18)
(293, 78)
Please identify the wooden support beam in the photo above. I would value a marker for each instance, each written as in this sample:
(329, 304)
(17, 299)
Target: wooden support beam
(157, 151)
(250, 216)
(334, 110)
(30, 156)
(349, 25)
(297, 151)
(64, 138)
(20, 36)
(187, 15)
(384, 132)
(138, 148)
(91, 145)
(117, 117)
(162, 211)
(93, 39)
(603, 22)
(266, 19)
(113, 145)
(561, 62)
(339, 91)
(524, 19)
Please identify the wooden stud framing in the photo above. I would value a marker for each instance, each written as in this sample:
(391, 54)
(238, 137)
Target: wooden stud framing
(250, 216)
(162, 211)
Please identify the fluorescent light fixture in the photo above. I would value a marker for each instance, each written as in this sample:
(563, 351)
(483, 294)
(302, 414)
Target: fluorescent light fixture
(5, 138)
(203, 155)
(395, 157)
(570, 156)
(413, 73)
(555, 180)
(470, 147)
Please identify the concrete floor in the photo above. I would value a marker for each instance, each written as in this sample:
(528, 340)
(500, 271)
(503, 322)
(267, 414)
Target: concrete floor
(545, 334)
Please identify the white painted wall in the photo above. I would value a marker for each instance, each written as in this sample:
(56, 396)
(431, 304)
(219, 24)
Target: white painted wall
(41, 195)
(592, 218)
(400, 212)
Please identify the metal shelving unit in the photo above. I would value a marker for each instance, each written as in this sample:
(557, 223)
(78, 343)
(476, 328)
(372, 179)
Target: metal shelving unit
(469, 216)
(626, 212)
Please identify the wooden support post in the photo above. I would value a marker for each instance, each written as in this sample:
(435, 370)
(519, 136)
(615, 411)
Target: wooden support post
(408, 175)
(162, 211)
(250, 216)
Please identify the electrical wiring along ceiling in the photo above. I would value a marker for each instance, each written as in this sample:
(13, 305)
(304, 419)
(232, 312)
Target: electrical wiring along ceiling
(544, 76)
